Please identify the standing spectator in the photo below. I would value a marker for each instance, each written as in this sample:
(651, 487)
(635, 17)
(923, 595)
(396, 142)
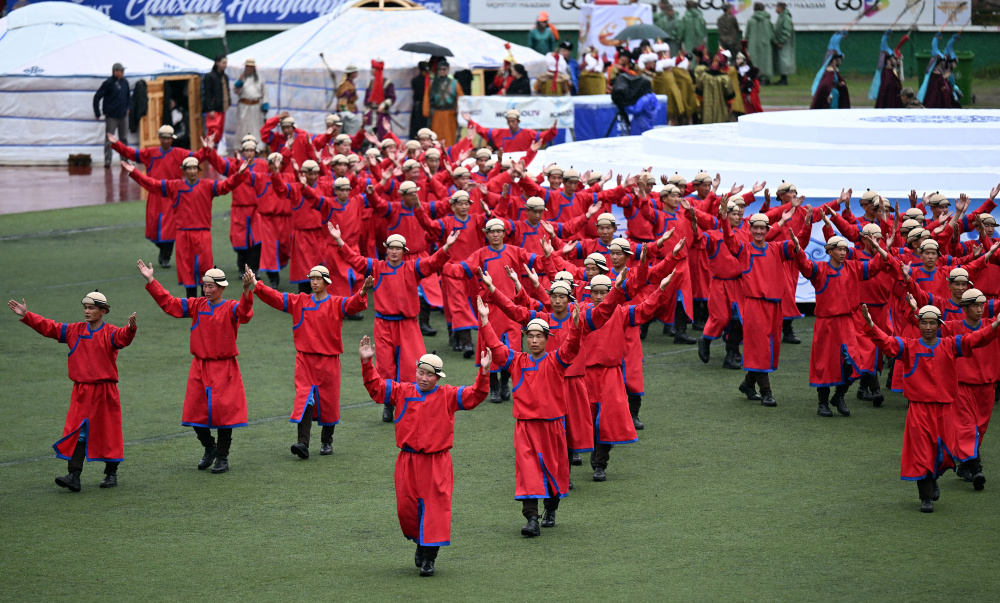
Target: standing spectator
(666, 19)
(253, 107)
(441, 104)
(114, 93)
(760, 39)
(729, 30)
(784, 43)
(347, 101)
(716, 90)
(417, 85)
(379, 99)
(692, 30)
(215, 99)
(541, 39)
(521, 85)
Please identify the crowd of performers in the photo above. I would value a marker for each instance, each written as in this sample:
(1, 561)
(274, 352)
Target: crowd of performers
(537, 260)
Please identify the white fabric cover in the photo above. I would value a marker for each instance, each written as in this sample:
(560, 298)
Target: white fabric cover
(53, 57)
(299, 82)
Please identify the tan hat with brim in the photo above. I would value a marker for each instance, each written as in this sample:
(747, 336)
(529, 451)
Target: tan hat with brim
(929, 311)
(701, 178)
(909, 225)
(412, 145)
(621, 245)
(96, 298)
(561, 287)
(396, 240)
(432, 363)
(873, 229)
(959, 275)
(495, 224)
(215, 277)
(606, 219)
(565, 276)
(669, 189)
(972, 296)
(536, 203)
(458, 196)
(408, 187)
(572, 174)
(929, 244)
(598, 260)
(321, 271)
(425, 133)
(310, 166)
(536, 325)
(166, 131)
(459, 172)
(760, 219)
(835, 242)
(288, 121)
(189, 162)
(249, 145)
(600, 281)
(342, 183)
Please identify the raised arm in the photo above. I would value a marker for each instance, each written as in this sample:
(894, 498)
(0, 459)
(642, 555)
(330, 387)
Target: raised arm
(890, 345)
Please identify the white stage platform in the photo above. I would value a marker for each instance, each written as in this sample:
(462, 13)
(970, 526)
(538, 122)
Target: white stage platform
(891, 151)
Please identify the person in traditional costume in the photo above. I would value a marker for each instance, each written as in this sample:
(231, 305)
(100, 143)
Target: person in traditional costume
(886, 86)
(379, 100)
(441, 104)
(252, 95)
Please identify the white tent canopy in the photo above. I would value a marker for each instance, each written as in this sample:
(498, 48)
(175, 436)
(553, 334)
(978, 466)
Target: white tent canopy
(53, 57)
(300, 83)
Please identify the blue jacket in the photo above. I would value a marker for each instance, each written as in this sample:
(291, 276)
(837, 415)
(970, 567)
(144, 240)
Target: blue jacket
(115, 94)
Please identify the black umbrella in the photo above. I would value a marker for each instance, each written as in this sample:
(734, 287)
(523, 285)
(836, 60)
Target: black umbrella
(641, 31)
(427, 48)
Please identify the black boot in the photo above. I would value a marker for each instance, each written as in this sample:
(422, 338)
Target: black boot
(465, 339)
(748, 387)
(839, 402)
(549, 518)
(978, 479)
(504, 385)
(429, 554)
(730, 361)
(531, 529)
(300, 450)
(71, 482)
(110, 480)
(766, 398)
(221, 464)
(495, 388)
(388, 410)
(788, 333)
(599, 474)
(669, 330)
(783, 81)
(925, 489)
(705, 349)
(824, 402)
(453, 341)
(424, 319)
(643, 330)
(634, 404)
(274, 279)
(427, 569)
(206, 461)
(680, 327)
(700, 314)
(864, 394)
(877, 397)
(418, 557)
(575, 460)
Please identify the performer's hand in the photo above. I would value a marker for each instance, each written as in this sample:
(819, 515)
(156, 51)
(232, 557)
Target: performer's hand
(576, 315)
(963, 203)
(620, 279)
(302, 180)
(513, 276)
(913, 198)
(335, 232)
(483, 309)
(207, 142)
(992, 251)
(466, 116)
(146, 271)
(666, 237)
(365, 350)
(368, 286)
(679, 245)
(716, 181)
(644, 253)
(131, 322)
(486, 361)
(912, 301)
(593, 209)
(128, 167)
(249, 278)
(787, 215)
(113, 139)
(867, 316)
(758, 187)
(532, 275)
(666, 281)
(664, 180)
(548, 228)
(487, 280)
(845, 196)
(798, 201)
(735, 190)
(20, 308)
(568, 247)
(452, 237)
(994, 192)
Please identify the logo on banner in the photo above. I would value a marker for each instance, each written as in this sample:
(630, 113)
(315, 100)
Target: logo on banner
(609, 31)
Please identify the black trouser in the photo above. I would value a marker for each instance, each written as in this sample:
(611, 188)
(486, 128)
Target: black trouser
(429, 553)
(824, 392)
(248, 257)
(529, 506)
(75, 464)
(225, 439)
(305, 428)
(735, 336)
(166, 250)
(680, 318)
(925, 488)
(601, 455)
(870, 382)
(193, 291)
(761, 379)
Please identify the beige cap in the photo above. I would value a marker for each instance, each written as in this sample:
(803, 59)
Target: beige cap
(396, 240)
(432, 153)
(606, 219)
(166, 131)
(489, 164)
(459, 172)
(425, 133)
(561, 287)
(869, 196)
(351, 68)
(598, 260)
(408, 187)
(564, 276)
(701, 177)
(339, 158)
(873, 229)
(759, 219)
(987, 220)
(835, 242)
(189, 162)
(958, 275)
(669, 189)
(249, 145)
(536, 325)
(288, 121)
(785, 187)
(249, 138)
(321, 271)
(677, 180)
(249, 63)
(412, 145)
(333, 120)
(938, 199)
(552, 169)
(621, 245)
(495, 224)
(505, 163)
(572, 174)
(929, 244)
(432, 363)
(484, 154)
(512, 114)
(352, 158)
(342, 183)
(914, 213)
(916, 233)
(372, 152)
(535, 203)
(600, 281)
(973, 296)
(96, 298)
(732, 205)
(594, 177)
(409, 164)
(909, 225)
(388, 142)
(341, 138)
(310, 166)
(274, 157)
(929, 311)
(215, 276)
(458, 196)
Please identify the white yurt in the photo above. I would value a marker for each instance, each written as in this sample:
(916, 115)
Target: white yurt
(53, 57)
(301, 82)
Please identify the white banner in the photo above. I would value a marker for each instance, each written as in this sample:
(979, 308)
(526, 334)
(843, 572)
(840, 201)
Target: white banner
(190, 26)
(600, 23)
(537, 112)
(834, 13)
(521, 14)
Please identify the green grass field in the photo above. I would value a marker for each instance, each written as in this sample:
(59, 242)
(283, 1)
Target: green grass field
(722, 499)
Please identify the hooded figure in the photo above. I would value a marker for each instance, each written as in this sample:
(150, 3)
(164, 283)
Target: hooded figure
(759, 39)
(716, 90)
(886, 86)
